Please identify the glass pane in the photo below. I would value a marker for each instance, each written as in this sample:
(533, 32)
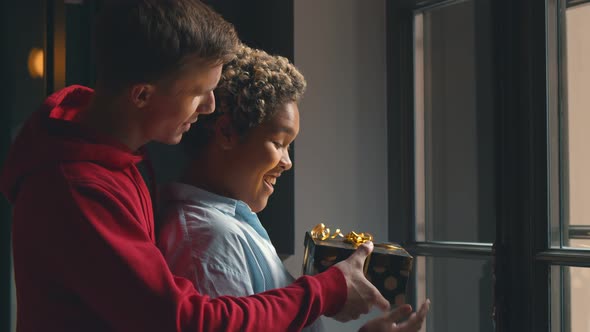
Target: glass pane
(454, 124)
(460, 291)
(570, 298)
(575, 121)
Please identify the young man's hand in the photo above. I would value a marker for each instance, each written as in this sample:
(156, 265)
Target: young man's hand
(361, 294)
(390, 321)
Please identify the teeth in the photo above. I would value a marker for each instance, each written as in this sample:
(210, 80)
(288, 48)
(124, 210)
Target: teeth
(271, 180)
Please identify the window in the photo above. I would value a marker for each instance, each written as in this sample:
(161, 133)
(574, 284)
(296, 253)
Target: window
(488, 117)
(573, 130)
(571, 156)
(454, 161)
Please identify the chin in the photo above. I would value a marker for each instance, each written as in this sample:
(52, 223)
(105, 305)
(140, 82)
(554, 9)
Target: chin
(171, 140)
(259, 206)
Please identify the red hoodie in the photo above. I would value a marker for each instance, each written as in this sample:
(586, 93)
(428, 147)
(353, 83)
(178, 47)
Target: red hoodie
(85, 258)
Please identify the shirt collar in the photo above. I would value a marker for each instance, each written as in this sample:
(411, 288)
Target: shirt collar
(186, 192)
(241, 211)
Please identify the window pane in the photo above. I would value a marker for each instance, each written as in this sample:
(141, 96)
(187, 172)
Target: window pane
(575, 121)
(461, 293)
(570, 298)
(454, 124)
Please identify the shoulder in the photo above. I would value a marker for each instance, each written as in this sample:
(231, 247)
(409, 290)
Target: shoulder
(200, 238)
(84, 173)
(74, 178)
(81, 177)
(204, 221)
(198, 223)
(85, 189)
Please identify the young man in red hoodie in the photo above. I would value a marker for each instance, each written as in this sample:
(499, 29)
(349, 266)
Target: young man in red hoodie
(83, 232)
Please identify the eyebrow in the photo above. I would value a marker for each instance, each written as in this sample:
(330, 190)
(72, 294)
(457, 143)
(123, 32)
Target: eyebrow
(203, 91)
(287, 130)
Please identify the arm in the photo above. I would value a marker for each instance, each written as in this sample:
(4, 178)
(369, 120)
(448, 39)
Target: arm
(98, 249)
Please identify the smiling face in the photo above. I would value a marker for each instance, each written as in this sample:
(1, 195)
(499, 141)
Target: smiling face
(261, 156)
(241, 150)
(173, 106)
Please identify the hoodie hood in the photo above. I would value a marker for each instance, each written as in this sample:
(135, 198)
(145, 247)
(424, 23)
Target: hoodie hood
(52, 135)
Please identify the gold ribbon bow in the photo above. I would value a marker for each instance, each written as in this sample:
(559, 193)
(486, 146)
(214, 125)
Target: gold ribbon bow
(321, 232)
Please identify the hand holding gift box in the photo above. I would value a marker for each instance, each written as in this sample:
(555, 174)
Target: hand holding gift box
(388, 267)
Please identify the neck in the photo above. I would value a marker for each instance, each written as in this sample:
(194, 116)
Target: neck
(110, 116)
(207, 172)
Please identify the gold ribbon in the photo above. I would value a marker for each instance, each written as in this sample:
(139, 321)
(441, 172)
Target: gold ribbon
(357, 239)
(321, 232)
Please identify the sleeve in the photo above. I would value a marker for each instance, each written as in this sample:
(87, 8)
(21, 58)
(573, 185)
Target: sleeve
(208, 253)
(98, 249)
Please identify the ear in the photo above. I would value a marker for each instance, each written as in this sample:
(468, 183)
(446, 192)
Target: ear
(141, 94)
(225, 134)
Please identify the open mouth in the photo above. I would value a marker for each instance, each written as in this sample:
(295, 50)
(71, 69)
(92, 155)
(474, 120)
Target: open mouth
(270, 181)
(191, 121)
(186, 126)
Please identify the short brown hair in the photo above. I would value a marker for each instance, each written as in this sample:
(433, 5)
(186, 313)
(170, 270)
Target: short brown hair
(252, 87)
(149, 40)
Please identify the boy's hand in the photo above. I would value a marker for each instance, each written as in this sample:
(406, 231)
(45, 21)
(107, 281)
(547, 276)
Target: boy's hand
(389, 321)
(361, 294)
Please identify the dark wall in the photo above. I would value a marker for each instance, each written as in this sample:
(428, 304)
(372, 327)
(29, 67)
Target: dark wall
(5, 271)
(268, 24)
(22, 25)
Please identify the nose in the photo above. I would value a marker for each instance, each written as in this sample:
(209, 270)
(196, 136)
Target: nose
(207, 106)
(286, 162)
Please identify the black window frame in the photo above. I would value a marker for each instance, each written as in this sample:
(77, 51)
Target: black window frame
(526, 89)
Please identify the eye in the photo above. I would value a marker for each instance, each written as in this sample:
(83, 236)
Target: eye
(277, 145)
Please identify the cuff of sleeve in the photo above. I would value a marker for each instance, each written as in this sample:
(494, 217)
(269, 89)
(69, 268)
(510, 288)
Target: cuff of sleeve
(334, 290)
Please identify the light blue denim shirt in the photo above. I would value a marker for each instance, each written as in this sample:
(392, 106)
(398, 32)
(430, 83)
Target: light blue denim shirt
(219, 244)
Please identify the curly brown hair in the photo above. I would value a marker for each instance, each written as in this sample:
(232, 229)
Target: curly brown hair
(252, 87)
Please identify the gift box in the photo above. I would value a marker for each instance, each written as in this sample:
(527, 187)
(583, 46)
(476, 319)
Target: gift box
(388, 267)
